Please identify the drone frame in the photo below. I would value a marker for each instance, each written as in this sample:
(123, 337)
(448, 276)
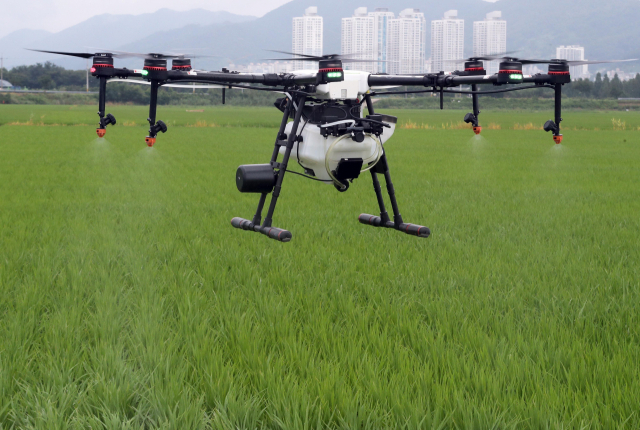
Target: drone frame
(300, 87)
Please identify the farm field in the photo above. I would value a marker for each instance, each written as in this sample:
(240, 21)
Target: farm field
(128, 301)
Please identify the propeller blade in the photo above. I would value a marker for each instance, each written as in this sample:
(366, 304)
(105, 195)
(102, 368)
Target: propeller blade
(291, 59)
(488, 57)
(291, 53)
(524, 62)
(585, 62)
(71, 54)
(355, 60)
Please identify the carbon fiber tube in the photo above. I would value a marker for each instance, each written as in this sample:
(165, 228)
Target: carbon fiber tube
(242, 223)
(415, 230)
(277, 234)
(373, 220)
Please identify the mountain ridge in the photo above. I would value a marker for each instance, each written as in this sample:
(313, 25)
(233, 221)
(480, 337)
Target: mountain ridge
(608, 30)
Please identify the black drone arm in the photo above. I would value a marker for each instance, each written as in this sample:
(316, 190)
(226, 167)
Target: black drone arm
(268, 79)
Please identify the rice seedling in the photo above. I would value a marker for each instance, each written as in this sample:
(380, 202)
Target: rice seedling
(127, 300)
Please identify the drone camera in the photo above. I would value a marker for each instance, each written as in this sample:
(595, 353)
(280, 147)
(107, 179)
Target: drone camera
(255, 178)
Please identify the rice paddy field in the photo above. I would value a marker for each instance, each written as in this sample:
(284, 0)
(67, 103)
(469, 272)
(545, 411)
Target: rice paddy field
(127, 300)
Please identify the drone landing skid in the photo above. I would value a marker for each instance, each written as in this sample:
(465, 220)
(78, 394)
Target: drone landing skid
(383, 220)
(273, 232)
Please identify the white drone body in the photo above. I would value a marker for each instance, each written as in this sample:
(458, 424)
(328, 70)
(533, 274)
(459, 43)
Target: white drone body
(320, 155)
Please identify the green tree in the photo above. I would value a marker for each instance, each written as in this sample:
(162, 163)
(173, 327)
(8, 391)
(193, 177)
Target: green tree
(597, 85)
(583, 87)
(46, 82)
(615, 89)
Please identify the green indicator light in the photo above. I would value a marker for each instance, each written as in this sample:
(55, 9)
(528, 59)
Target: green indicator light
(515, 77)
(334, 74)
(144, 73)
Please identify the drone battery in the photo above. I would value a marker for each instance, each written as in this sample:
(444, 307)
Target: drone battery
(255, 178)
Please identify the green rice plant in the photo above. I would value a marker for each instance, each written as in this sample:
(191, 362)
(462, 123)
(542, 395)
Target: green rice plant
(127, 300)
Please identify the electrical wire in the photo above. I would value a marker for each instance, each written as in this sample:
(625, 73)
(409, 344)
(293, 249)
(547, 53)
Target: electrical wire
(308, 177)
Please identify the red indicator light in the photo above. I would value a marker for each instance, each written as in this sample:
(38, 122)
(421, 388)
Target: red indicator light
(93, 70)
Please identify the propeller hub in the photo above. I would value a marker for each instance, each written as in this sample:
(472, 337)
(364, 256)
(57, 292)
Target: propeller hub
(155, 64)
(101, 60)
(181, 64)
(473, 66)
(510, 67)
(559, 68)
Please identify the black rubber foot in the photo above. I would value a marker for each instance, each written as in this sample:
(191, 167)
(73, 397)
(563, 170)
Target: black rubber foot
(272, 232)
(277, 234)
(412, 229)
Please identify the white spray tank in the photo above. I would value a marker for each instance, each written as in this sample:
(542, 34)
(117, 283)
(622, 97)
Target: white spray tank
(320, 155)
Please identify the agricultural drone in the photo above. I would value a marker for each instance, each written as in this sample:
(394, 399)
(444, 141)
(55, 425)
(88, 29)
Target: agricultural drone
(329, 136)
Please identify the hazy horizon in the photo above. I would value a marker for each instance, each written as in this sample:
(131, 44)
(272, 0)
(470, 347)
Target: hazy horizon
(57, 15)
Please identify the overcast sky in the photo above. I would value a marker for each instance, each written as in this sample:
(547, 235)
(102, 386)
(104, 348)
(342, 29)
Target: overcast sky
(56, 15)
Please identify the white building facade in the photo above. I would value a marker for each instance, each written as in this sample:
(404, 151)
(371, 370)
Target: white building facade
(307, 37)
(490, 38)
(573, 53)
(407, 43)
(447, 42)
(357, 40)
(381, 18)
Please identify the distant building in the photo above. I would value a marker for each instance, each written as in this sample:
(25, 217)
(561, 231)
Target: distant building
(573, 53)
(358, 40)
(5, 84)
(490, 38)
(447, 42)
(270, 67)
(307, 37)
(407, 39)
(381, 18)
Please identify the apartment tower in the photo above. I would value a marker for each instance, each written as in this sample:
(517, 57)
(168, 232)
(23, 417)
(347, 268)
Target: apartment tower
(574, 53)
(447, 42)
(358, 40)
(406, 44)
(490, 38)
(307, 37)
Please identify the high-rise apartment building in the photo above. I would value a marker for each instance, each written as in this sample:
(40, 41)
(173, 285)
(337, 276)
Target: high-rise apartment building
(357, 40)
(447, 42)
(307, 37)
(490, 38)
(406, 46)
(381, 18)
(574, 53)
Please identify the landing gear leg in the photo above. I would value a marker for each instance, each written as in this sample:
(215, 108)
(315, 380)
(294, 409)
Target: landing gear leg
(383, 220)
(266, 228)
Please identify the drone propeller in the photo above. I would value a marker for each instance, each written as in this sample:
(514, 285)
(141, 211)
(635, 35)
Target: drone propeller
(123, 54)
(492, 57)
(70, 54)
(159, 55)
(345, 58)
(562, 61)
